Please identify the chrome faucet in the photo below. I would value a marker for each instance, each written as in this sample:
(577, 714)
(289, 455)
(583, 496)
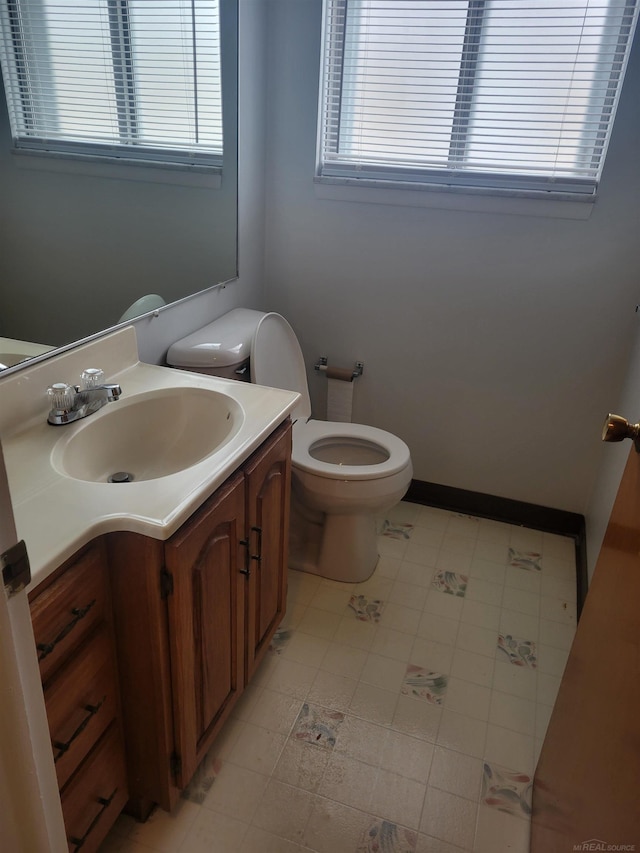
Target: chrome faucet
(71, 403)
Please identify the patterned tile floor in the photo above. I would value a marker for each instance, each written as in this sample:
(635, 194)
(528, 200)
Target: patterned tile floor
(402, 715)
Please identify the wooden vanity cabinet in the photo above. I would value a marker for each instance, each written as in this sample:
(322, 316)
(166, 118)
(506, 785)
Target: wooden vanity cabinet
(194, 615)
(71, 617)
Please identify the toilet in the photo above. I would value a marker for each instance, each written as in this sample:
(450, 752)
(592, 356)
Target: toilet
(343, 475)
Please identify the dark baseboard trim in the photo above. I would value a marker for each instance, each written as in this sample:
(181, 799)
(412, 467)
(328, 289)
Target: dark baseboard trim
(544, 518)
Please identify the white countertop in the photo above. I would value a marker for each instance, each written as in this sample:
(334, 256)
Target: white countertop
(56, 514)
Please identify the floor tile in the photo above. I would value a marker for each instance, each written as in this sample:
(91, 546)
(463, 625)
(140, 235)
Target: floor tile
(166, 832)
(362, 740)
(346, 661)
(528, 581)
(392, 644)
(416, 574)
(353, 632)
(480, 614)
(302, 765)
(521, 601)
(447, 606)
(509, 749)
(467, 698)
(407, 756)
(408, 594)
(432, 655)
(493, 824)
(334, 827)
(456, 773)
(383, 672)
(473, 667)
(381, 834)
(508, 790)
(555, 634)
(214, 833)
(236, 792)
(438, 628)
(397, 798)
(332, 691)
(275, 711)
(348, 781)
(428, 844)
(258, 841)
(449, 817)
(319, 623)
(291, 677)
(485, 591)
(284, 810)
(416, 718)
(512, 712)
(373, 704)
(472, 638)
(462, 733)
(257, 749)
(515, 680)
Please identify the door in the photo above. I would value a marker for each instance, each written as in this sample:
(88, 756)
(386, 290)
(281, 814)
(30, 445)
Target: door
(206, 623)
(268, 477)
(587, 783)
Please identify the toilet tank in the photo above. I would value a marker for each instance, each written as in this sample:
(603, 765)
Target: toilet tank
(222, 348)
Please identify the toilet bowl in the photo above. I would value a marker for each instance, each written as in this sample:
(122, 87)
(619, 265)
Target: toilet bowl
(344, 475)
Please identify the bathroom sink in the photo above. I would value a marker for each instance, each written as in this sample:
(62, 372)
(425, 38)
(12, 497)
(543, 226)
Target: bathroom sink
(147, 436)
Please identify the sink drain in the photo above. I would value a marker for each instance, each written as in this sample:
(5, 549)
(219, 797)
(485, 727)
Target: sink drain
(120, 477)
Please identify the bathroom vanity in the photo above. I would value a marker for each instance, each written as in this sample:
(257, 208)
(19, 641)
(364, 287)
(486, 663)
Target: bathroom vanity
(152, 601)
(194, 616)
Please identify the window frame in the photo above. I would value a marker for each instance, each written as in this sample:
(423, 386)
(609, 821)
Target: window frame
(335, 172)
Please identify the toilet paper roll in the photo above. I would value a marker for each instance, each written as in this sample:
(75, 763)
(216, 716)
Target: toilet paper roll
(342, 373)
(339, 400)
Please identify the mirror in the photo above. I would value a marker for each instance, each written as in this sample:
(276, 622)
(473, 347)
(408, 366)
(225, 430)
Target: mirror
(81, 242)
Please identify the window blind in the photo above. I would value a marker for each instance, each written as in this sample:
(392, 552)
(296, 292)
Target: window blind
(138, 79)
(493, 93)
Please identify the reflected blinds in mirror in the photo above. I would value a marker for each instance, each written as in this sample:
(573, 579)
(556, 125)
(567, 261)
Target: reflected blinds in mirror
(133, 79)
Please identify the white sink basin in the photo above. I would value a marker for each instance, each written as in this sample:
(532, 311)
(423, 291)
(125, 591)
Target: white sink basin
(147, 436)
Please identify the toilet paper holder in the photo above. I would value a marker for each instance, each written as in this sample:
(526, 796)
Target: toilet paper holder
(339, 372)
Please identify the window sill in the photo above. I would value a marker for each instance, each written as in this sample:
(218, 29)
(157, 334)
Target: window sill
(471, 200)
(203, 177)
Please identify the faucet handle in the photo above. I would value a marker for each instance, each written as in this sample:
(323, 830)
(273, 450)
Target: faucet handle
(61, 395)
(92, 377)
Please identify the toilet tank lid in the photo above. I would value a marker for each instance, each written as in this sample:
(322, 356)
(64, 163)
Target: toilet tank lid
(223, 343)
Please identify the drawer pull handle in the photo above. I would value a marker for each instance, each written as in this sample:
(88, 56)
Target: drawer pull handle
(63, 746)
(104, 802)
(78, 613)
(258, 556)
(247, 567)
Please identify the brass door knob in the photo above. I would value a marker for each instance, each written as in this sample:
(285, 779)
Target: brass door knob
(617, 428)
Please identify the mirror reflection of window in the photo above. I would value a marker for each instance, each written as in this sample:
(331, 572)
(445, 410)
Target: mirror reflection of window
(122, 78)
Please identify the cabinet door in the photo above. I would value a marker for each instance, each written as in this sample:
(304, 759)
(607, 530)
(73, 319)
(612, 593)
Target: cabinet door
(206, 622)
(268, 475)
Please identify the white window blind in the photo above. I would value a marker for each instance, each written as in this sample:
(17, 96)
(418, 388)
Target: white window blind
(133, 79)
(516, 94)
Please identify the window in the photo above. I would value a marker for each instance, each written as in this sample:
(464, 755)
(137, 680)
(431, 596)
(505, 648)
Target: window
(505, 94)
(130, 79)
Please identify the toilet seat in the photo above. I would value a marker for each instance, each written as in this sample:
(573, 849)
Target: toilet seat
(308, 434)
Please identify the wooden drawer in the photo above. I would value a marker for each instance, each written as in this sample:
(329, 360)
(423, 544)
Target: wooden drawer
(69, 608)
(81, 702)
(96, 795)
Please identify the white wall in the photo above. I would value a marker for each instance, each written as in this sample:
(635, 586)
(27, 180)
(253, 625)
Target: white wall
(493, 344)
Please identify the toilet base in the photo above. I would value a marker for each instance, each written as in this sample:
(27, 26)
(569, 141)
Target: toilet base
(338, 547)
